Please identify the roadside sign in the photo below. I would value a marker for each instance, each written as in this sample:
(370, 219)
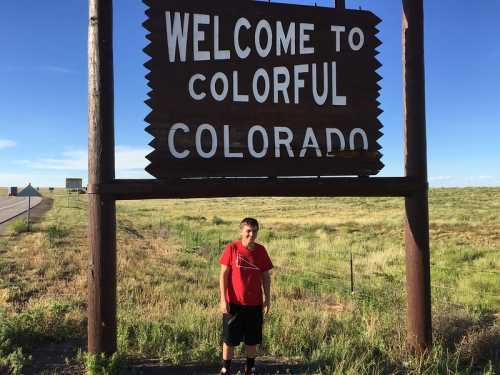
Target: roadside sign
(74, 183)
(29, 191)
(283, 93)
(261, 89)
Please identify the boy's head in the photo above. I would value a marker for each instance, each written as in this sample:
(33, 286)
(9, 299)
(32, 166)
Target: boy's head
(248, 230)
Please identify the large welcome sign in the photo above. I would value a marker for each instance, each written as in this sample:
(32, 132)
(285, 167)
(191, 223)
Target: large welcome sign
(249, 88)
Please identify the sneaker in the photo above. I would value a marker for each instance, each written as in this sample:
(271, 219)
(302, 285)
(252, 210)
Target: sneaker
(225, 371)
(251, 371)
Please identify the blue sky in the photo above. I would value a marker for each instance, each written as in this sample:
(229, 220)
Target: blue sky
(43, 90)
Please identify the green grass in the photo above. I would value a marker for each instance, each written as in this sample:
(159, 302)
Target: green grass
(100, 364)
(17, 226)
(168, 254)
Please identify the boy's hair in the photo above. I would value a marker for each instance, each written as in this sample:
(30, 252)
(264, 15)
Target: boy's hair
(251, 222)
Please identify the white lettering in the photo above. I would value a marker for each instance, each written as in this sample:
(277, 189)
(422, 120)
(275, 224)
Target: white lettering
(227, 151)
(310, 141)
(299, 82)
(361, 36)
(320, 99)
(171, 143)
(336, 99)
(281, 86)
(242, 53)
(261, 73)
(283, 41)
(265, 141)
(263, 25)
(305, 38)
(177, 35)
(199, 36)
(194, 95)
(237, 97)
(225, 86)
(278, 141)
(257, 140)
(213, 136)
(362, 133)
(337, 30)
(329, 145)
(219, 54)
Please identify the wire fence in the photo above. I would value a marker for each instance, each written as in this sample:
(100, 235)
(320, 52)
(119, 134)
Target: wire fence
(351, 280)
(345, 282)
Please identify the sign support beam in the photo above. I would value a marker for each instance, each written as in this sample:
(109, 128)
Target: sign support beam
(102, 212)
(340, 4)
(418, 319)
(263, 187)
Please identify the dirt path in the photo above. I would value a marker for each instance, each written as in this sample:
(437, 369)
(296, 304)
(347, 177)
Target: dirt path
(265, 366)
(51, 359)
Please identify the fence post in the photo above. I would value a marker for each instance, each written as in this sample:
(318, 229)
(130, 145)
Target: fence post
(29, 211)
(352, 275)
(418, 318)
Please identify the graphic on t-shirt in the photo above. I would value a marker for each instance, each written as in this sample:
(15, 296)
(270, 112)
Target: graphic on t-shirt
(242, 262)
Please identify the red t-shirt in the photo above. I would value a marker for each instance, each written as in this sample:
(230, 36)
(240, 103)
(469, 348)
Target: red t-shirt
(245, 272)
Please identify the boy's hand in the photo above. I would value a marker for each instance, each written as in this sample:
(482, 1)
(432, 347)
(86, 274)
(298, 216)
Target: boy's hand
(266, 306)
(224, 307)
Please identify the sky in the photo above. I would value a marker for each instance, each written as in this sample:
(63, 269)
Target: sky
(43, 90)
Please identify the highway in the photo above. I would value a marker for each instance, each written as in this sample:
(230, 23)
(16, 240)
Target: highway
(14, 206)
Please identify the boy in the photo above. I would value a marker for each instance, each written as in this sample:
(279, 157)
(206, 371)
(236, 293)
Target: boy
(244, 273)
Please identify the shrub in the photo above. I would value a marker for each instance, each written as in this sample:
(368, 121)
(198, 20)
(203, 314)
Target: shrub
(101, 364)
(218, 221)
(12, 358)
(53, 233)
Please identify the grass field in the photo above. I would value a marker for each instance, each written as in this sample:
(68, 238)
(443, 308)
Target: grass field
(168, 281)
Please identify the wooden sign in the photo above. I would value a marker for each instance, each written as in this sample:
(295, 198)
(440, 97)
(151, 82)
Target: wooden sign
(248, 88)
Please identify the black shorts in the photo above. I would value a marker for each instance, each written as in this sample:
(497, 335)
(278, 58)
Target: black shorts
(243, 323)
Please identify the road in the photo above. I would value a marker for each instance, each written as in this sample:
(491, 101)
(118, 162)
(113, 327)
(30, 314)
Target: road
(13, 206)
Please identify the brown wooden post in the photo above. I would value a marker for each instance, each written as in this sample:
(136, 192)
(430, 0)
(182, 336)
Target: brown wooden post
(102, 216)
(340, 4)
(419, 325)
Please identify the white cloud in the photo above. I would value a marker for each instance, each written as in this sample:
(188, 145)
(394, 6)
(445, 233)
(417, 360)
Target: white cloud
(41, 68)
(127, 158)
(130, 163)
(74, 160)
(36, 179)
(440, 178)
(55, 69)
(130, 158)
(6, 143)
(463, 181)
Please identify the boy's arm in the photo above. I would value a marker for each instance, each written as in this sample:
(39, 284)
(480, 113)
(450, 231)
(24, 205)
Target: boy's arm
(223, 281)
(266, 284)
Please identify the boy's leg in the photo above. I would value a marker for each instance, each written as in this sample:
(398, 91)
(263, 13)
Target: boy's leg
(253, 336)
(251, 351)
(227, 352)
(232, 335)
(227, 356)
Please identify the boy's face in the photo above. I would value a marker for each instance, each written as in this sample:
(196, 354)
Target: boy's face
(248, 234)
